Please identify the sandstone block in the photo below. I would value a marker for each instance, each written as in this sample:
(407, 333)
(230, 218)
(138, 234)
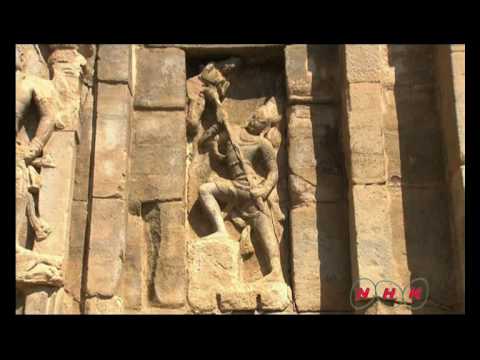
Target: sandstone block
(457, 189)
(428, 241)
(311, 131)
(74, 269)
(244, 299)
(415, 156)
(367, 168)
(170, 275)
(159, 156)
(57, 192)
(112, 139)
(458, 63)
(160, 127)
(114, 62)
(311, 73)
(113, 101)
(161, 79)
(329, 188)
(107, 246)
(372, 233)
(296, 59)
(399, 245)
(82, 170)
(131, 282)
(97, 306)
(154, 187)
(213, 269)
(363, 63)
(366, 140)
(365, 97)
(274, 296)
(320, 248)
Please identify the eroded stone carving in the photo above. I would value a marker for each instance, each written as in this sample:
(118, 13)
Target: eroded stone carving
(244, 194)
(39, 94)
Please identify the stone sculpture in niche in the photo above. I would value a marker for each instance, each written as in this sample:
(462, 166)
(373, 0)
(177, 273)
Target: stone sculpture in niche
(38, 96)
(246, 193)
(241, 189)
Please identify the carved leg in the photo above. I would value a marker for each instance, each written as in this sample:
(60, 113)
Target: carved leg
(41, 228)
(210, 203)
(264, 231)
(21, 193)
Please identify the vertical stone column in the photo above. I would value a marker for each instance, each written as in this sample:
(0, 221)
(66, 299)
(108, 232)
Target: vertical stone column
(108, 225)
(321, 269)
(75, 268)
(376, 255)
(392, 138)
(157, 184)
(450, 72)
(55, 198)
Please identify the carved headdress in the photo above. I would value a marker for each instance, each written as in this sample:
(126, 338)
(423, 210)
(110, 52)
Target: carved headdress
(269, 111)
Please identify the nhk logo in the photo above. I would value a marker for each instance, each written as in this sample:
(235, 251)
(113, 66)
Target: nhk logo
(414, 295)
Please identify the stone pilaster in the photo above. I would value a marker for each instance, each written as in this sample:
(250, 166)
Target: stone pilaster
(56, 196)
(450, 72)
(109, 208)
(373, 254)
(157, 184)
(321, 270)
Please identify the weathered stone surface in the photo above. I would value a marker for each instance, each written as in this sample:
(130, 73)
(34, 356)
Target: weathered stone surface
(296, 57)
(114, 62)
(107, 246)
(38, 300)
(274, 296)
(313, 154)
(57, 192)
(82, 170)
(365, 97)
(154, 127)
(111, 146)
(159, 156)
(457, 191)
(372, 234)
(398, 178)
(310, 71)
(363, 63)
(74, 268)
(170, 276)
(161, 79)
(97, 306)
(153, 187)
(213, 269)
(321, 266)
(415, 156)
(367, 168)
(412, 63)
(396, 212)
(132, 270)
(238, 300)
(428, 241)
(458, 72)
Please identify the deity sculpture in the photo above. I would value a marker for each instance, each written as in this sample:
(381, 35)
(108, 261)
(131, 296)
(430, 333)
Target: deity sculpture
(247, 191)
(33, 93)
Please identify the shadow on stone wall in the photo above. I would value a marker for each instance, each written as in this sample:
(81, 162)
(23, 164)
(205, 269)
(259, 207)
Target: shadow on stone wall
(421, 173)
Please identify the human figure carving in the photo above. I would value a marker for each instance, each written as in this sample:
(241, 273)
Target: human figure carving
(247, 191)
(39, 93)
(213, 76)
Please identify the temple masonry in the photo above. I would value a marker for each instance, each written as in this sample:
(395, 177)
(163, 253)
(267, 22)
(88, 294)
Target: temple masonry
(244, 178)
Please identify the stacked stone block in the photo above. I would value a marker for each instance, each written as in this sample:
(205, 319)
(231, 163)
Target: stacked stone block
(318, 212)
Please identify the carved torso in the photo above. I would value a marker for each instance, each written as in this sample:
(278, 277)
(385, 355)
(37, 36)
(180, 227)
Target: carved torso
(24, 92)
(252, 147)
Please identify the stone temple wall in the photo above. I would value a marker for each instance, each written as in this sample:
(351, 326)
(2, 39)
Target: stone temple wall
(251, 179)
